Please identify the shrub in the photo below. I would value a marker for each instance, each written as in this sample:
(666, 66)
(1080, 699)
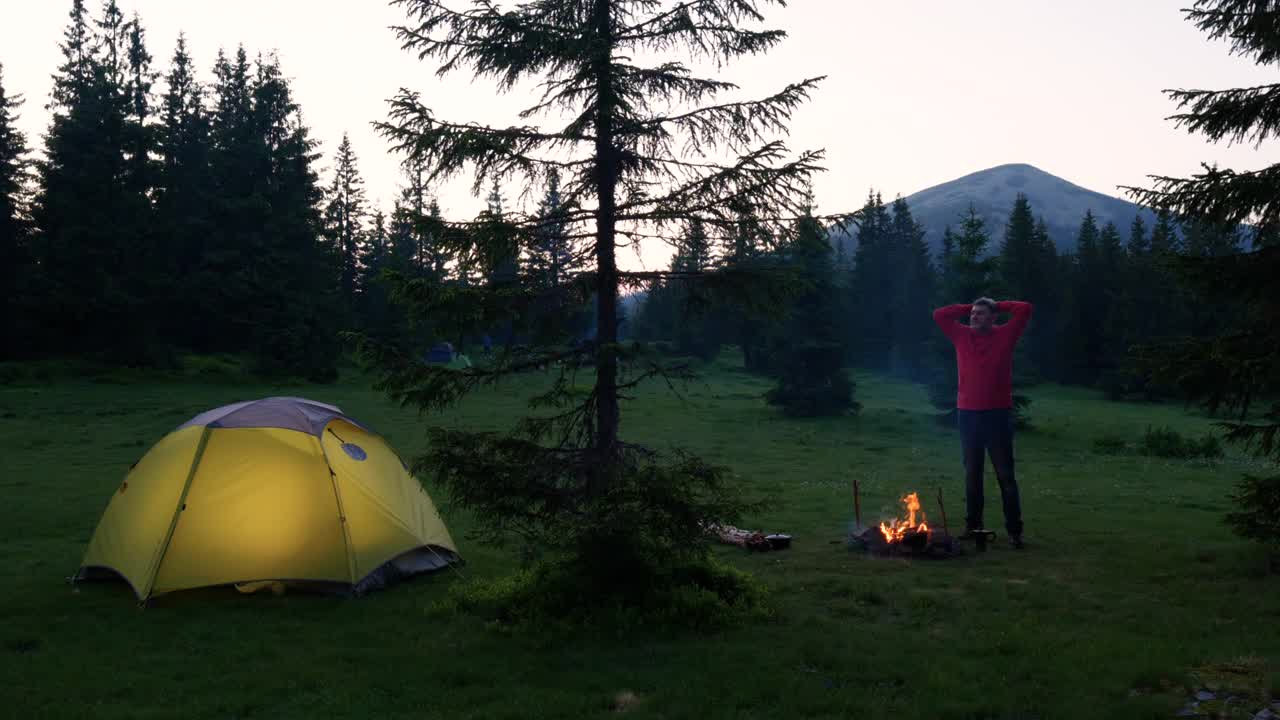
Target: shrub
(813, 382)
(634, 539)
(1110, 445)
(1258, 516)
(12, 373)
(1022, 412)
(1168, 443)
(301, 350)
(214, 368)
(701, 595)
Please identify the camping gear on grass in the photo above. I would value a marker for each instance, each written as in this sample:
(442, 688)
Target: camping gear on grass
(751, 539)
(441, 354)
(280, 490)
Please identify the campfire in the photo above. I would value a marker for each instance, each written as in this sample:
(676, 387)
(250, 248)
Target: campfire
(909, 535)
(900, 529)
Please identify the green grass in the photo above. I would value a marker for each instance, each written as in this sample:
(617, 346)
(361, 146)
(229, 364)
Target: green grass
(1131, 581)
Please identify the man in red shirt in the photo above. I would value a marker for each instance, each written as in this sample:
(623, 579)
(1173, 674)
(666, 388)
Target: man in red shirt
(984, 402)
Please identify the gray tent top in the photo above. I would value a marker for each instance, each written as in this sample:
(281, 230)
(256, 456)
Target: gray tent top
(288, 413)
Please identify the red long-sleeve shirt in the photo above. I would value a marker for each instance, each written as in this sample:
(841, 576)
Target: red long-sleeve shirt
(984, 360)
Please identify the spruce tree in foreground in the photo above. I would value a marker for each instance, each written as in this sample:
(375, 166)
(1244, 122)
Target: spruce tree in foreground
(642, 154)
(1237, 369)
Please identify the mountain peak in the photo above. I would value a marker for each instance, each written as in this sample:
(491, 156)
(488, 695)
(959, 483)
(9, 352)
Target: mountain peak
(1061, 203)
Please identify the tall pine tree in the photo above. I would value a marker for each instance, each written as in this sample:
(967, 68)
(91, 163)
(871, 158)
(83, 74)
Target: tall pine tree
(1133, 299)
(90, 221)
(15, 252)
(147, 281)
(344, 221)
(139, 176)
(551, 258)
(746, 242)
(183, 194)
(376, 315)
(1027, 271)
(913, 294)
(873, 313)
(971, 271)
(1018, 252)
(297, 306)
(556, 264)
(1084, 334)
(1111, 278)
(1048, 291)
(968, 272)
(812, 380)
(676, 310)
(222, 282)
(644, 142)
(1238, 367)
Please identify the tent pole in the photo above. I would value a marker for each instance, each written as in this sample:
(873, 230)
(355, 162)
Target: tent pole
(177, 512)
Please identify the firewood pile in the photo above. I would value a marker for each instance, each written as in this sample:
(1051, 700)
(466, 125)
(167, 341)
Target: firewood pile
(753, 540)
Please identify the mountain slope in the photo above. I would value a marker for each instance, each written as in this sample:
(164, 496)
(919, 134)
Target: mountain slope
(992, 191)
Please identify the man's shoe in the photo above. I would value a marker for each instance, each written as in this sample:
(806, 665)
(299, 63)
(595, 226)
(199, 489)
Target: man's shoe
(1016, 542)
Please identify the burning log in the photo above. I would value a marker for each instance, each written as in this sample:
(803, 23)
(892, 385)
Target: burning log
(910, 536)
(899, 529)
(935, 544)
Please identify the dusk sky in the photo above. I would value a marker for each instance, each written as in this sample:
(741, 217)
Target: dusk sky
(918, 92)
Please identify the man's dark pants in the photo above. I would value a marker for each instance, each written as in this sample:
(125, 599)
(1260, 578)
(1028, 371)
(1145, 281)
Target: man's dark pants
(989, 432)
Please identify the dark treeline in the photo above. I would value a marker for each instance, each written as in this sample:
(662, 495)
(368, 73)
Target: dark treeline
(169, 213)
(1116, 290)
(176, 212)
(172, 212)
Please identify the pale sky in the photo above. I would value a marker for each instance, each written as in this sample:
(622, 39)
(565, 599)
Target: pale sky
(918, 92)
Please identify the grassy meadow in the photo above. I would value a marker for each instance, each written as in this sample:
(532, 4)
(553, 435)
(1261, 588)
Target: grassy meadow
(1131, 585)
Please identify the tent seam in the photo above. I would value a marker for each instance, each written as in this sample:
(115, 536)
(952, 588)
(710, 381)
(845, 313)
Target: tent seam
(342, 513)
(373, 498)
(173, 523)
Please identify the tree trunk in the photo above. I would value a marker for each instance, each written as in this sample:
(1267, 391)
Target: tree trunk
(607, 414)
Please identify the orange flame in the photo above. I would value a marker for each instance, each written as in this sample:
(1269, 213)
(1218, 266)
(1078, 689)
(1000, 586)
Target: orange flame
(899, 528)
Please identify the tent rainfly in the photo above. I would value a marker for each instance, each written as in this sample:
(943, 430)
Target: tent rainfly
(270, 492)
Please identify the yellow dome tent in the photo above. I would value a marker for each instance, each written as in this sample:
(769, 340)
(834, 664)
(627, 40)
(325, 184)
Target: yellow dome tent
(268, 492)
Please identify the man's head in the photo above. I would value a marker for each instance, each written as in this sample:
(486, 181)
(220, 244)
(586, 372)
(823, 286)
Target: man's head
(983, 315)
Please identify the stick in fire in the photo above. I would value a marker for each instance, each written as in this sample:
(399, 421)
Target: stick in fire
(857, 504)
(943, 509)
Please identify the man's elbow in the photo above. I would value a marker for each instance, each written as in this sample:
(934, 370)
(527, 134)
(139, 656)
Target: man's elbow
(1019, 307)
